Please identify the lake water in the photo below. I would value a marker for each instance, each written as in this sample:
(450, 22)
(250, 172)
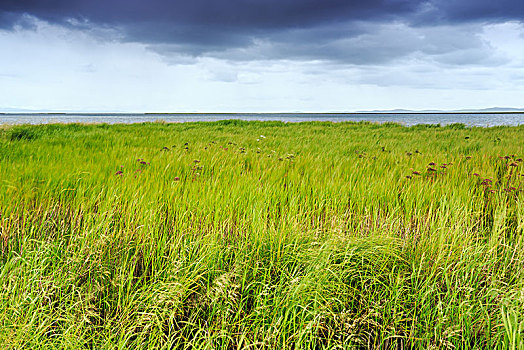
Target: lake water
(408, 119)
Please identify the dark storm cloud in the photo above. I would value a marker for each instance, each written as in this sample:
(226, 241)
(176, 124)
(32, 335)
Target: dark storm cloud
(239, 14)
(200, 26)
(256, 15)
(347, 31)
(476, 10)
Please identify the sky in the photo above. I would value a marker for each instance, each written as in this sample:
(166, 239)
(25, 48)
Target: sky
(260, 55)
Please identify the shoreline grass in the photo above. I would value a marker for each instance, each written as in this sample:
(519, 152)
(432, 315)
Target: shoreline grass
(234, 234)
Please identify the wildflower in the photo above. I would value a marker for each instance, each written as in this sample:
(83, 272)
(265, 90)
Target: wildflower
(443, 166)
(468, 157)
(519, 160)
(415, 172)
(513, 164)
(177, 178)
(432, 164)
(143, 163)
(408, 177)
(431, 169)
(119, 172)
(475, 174)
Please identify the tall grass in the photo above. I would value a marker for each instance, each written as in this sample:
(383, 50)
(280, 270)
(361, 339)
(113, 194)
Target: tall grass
(259, 235)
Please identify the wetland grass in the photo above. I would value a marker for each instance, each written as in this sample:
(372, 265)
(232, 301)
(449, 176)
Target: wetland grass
(260, 235)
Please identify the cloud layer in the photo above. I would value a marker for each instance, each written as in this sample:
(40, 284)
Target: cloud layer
(261, 55)
(340, 30)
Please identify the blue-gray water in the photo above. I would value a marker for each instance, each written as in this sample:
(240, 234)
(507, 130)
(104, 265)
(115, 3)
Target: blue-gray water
(469, 119)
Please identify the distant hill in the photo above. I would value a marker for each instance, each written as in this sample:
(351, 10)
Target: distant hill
(483, 110)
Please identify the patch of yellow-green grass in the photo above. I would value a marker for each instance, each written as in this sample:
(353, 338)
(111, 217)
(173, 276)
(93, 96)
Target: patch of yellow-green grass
(235, 234)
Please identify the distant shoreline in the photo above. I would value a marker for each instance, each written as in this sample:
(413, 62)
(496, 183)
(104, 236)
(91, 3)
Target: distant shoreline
(482, 119)
(249, 113)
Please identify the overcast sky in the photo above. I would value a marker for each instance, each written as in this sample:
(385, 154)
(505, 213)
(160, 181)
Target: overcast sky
(260, 55)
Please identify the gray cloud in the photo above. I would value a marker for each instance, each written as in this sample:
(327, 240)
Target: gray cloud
(341, 31)
(246, 15)
(362, 44)
(477, 10)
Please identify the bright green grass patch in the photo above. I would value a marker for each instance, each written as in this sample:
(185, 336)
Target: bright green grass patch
(261, 234)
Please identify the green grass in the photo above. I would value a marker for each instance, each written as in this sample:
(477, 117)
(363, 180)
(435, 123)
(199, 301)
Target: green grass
(261, 235)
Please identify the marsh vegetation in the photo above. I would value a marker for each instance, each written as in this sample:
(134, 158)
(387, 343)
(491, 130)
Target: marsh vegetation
(234, 234)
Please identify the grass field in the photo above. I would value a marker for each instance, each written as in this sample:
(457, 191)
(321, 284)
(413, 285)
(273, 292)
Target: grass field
(234, 234)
